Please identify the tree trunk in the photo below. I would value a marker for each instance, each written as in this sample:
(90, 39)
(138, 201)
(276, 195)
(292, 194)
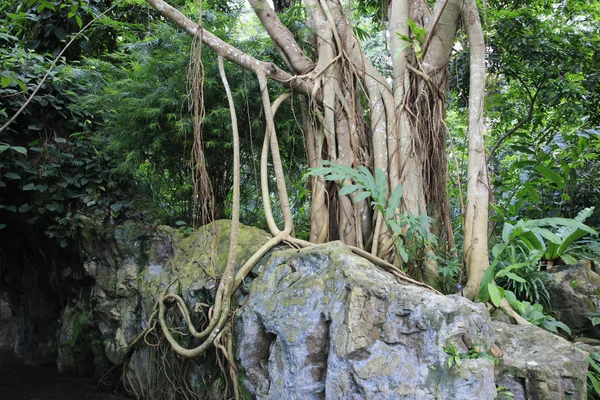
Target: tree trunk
(406, 134)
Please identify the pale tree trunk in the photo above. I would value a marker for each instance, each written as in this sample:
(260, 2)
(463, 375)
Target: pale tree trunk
(476, 219)
(406, 135)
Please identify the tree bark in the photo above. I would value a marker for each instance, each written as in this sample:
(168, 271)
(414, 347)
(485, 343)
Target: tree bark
(406, 134)
(476, 219)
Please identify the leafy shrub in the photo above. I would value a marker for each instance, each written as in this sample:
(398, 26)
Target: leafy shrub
(410, 232)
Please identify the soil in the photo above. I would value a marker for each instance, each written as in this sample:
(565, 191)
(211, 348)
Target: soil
(21, 381)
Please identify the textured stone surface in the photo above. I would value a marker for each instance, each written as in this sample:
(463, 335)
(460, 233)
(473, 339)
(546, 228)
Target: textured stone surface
(537, 364)
(575, 295)
(131, 265)
(10, 325)
(314, 323)
(324, 323)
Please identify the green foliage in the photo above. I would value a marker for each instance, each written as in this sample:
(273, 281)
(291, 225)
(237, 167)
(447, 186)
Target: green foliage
(410, 232)
(594, 376)
(454, 358)
(449, 273)
(55, 181)
(595, 318)
(473, 353)
(535, 242)
(504, 393)
(524, 245)
(538, 242)
(534, 313)
(184, 228)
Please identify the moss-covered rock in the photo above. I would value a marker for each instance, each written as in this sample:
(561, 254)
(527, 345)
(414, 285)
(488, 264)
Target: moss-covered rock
(132, 264)
(325, 323)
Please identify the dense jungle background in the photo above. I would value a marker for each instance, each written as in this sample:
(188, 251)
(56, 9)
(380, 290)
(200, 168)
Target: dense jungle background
(104, 129)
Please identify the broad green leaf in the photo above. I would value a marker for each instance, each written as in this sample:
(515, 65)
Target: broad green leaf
(494, 294)
(504, 271)
(2, 226)
(361, 196)
(380, 184)
(369, 181)
(12, 175)
(11, 208)
(349, 189)
(2, 184)
(498, 249)
(24, 208)
(553, 176)
(595, 382)
(404, 37)
(403, 253)
(4, 147)
(29, 186)
(506, 231)
(548, 235)
(515, 277)
(510, 297)
(19, 149)
(568, 259)
(393, 202)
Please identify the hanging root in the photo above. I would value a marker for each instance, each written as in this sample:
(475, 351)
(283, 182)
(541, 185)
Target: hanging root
(217, 335)
(203, 196)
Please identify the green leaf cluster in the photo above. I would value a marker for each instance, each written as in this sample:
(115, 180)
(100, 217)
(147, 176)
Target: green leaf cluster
(410, 232)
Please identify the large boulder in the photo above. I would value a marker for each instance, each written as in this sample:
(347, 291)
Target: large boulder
(575, 297)
(537, 364)
(130, 265)
(324, 323)
(319, 322)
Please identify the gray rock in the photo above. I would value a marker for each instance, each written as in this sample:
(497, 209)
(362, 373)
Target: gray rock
(11, 325)
(537, 364)
(314, 323)
(324, 323)
(575, 296)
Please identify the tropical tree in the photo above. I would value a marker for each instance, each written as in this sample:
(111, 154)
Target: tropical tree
(354, 117)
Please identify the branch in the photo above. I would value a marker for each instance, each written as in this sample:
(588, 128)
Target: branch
(430, 35)
(39, 85)
(521, 122)
(230, 52)
(282, 37)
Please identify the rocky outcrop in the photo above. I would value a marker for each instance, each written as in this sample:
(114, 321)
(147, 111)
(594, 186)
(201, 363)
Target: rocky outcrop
(575, 296)
(324, 323)
(537, 364)
(314, 323)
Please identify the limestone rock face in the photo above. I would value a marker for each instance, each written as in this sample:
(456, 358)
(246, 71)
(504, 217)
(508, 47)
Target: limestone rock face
(314, 323)
(537, 364)
(575, 295)
(130, 265)
(324, 323)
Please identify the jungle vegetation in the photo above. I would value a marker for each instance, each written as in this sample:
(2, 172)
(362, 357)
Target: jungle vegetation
(434, 137)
